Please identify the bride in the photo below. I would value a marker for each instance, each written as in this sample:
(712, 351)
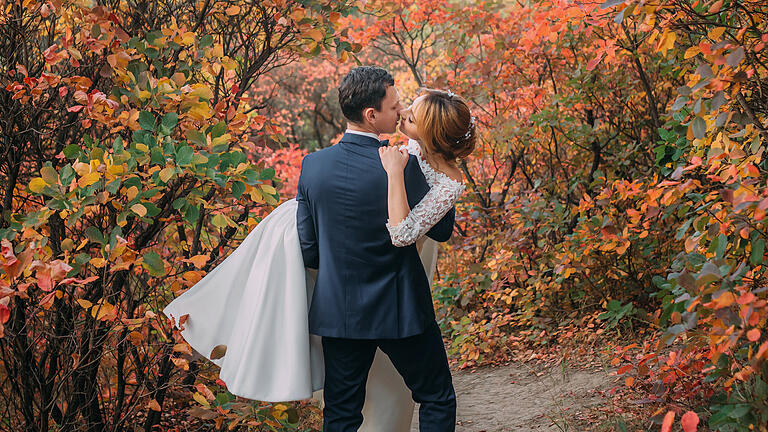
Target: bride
(249, 315)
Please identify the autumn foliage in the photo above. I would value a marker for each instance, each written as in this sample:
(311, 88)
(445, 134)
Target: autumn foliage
(619, 187)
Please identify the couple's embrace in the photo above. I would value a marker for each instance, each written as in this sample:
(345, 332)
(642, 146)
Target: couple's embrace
(364, 225)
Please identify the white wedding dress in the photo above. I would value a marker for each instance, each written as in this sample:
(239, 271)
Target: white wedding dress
(256, 303)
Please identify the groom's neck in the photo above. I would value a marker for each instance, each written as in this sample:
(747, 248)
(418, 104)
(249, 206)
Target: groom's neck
(361, 128)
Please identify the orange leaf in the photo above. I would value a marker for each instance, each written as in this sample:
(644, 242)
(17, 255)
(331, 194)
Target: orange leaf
(666, 425)
(689, 421)
(592, 64)
(154, 406)
(624, 369)
(753, 335)
(198, 260)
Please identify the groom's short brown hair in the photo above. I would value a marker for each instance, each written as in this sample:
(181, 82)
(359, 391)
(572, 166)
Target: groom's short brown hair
(363, 87)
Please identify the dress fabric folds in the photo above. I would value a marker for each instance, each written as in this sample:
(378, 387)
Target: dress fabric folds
(256, 303)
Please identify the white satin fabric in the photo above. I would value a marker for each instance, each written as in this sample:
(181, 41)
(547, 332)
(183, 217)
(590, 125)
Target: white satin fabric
(256, 303)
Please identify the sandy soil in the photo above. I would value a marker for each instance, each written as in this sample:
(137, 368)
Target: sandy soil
(517, 397)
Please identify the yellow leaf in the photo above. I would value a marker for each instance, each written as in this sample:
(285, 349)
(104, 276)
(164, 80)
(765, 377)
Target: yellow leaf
(268, 189)
(221, 140)
(131, 193)
(691, 52)
(667, 41)
(187, 38)
(202, 91)
(256, 196)
(142, 147)
(167, 173)
(139, 209)
(89, 179)
(233, 10)
(200, 111)
(85, 304)
(103, 311)
(715, 33)
(115, 169)
(201, 399)
(49, 175)
(98, 262)
(37, 185)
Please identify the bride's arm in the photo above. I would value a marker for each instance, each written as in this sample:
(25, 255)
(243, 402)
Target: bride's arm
(438, 202)
(394, 160)
(407, 225)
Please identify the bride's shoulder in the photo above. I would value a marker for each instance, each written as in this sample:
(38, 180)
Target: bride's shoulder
(454, 173)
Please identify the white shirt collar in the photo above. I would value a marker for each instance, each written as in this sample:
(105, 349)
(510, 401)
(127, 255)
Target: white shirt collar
(368, 134)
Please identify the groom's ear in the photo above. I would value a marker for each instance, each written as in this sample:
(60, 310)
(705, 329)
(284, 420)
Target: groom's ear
(369, 115)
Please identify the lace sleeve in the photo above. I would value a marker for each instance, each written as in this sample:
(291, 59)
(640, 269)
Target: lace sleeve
(435, 204)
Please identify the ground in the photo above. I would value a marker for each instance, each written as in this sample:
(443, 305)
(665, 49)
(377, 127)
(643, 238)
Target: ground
(528, 397)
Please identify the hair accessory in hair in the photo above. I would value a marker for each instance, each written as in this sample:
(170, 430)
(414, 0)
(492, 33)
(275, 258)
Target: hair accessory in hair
(450, 93)
(469, 130)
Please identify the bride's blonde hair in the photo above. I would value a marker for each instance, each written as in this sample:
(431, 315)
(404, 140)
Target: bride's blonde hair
(445, 124)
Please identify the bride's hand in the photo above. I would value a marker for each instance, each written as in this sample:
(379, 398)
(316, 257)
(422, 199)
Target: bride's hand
(394, 159)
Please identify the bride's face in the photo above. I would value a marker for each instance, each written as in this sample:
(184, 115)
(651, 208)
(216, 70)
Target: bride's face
(408, 121)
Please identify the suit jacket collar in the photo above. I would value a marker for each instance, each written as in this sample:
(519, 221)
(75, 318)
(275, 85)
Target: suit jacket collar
(362, 140)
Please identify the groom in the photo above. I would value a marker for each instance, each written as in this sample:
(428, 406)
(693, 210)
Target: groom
(369, 294)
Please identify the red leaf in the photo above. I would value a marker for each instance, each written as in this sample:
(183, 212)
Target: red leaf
(594, 62)
(690, 421)
(666, 425)
(5, 314)
(76, 108)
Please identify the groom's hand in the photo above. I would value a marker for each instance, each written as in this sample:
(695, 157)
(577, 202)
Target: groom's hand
(393, 159)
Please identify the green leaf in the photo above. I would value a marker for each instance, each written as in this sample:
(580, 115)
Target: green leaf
(218, 129)
(152, 210)
(267, 174)
(94, 235)
(219, 221)
(699, 127)
(192, 214)
(147, 121)
(72, 151)
(238, 188)
(206, 41)
(153, 262)
(196, 137)
(184, 155)
(169, 122)
(758, 249)
(683, 229)
(722, 243)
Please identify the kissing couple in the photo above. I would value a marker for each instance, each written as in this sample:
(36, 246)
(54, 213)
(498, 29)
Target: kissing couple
(332, 289)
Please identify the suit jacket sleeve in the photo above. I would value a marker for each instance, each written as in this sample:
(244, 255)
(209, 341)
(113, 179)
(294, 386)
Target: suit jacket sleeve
(305, 224)
(443, 229)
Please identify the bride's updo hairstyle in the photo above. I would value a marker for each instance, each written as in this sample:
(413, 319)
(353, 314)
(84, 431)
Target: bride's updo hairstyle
(445, 124)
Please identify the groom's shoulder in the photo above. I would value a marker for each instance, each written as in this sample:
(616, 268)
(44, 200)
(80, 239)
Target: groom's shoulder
(315, 155)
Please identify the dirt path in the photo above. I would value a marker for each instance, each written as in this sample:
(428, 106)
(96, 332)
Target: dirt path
(518, 397)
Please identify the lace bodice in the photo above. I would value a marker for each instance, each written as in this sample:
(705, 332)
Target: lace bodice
(442, 195)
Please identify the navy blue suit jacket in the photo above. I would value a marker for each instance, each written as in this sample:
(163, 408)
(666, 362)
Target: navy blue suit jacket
(366, 288)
